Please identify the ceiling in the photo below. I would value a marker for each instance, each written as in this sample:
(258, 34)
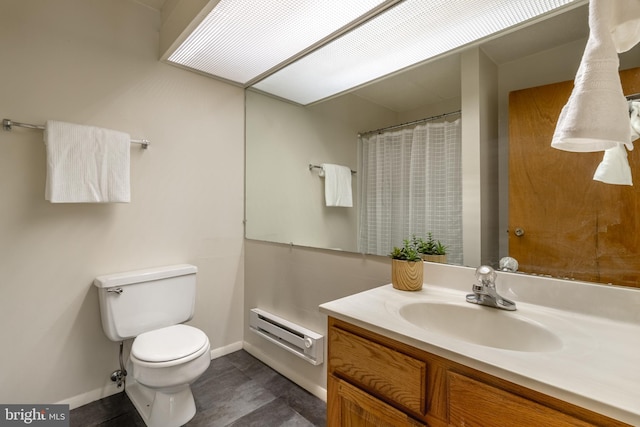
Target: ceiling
(154, 4)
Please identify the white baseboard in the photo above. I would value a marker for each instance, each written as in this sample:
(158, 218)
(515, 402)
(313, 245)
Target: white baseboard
(111, 389)
(90, 396)
(222, 351)
(315, 389)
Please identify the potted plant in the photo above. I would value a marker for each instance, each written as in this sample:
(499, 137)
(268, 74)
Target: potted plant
(406, 267)
(431, 249)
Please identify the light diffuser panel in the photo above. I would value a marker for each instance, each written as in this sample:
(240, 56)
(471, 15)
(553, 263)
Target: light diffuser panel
(242, 39)
(409, 33)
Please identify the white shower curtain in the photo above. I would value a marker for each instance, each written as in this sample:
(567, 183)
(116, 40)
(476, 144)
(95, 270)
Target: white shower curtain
(410, 184)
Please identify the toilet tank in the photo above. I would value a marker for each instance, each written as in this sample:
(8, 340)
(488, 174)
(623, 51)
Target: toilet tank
(139, 301)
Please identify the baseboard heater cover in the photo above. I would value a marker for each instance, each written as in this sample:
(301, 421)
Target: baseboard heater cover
(294, 338)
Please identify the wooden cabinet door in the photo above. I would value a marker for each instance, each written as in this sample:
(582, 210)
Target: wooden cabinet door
(573, 226)
(352, 407)
(475, 404)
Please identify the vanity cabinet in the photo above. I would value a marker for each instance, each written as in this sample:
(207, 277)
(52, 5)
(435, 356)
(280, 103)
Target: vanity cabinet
(376, 381)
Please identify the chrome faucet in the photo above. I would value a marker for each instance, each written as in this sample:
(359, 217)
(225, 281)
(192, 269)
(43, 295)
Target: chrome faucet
(485, 293)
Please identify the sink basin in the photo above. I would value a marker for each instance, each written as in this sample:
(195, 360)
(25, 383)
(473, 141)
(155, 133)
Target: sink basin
(481, 325)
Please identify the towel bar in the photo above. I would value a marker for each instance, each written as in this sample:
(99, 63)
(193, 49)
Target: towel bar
(312, 166)
(8, 126)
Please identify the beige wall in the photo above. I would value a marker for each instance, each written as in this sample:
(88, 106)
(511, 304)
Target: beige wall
(95, 62)
(291, 282)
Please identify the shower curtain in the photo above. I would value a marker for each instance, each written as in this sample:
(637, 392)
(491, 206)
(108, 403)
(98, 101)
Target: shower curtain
(410, 184)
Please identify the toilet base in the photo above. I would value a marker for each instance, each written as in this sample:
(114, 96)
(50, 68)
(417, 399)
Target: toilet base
(161, 409)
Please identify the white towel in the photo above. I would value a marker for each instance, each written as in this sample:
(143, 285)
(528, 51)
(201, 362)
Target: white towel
(596, 116)
(625, 24)
(86, 164)
(614, 168)
(337, 185)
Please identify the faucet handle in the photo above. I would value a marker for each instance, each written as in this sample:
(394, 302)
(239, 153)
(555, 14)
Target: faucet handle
(509, 264)
(486, 275)
(478, 289)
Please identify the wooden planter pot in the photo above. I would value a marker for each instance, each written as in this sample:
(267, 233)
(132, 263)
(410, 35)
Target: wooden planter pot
(406, 275)
(435, 258)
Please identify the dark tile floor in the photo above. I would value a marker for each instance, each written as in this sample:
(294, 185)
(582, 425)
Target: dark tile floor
(236, 390)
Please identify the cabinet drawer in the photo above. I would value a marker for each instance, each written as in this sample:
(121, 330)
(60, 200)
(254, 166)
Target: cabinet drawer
(357, 408)
(383, 372)
(472, 403)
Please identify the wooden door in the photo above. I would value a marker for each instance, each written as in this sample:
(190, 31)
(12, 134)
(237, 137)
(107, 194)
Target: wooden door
(573, 226)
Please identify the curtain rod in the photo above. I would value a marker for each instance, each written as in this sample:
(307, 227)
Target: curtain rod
(415, 122)
(8, 126)
(631, 97)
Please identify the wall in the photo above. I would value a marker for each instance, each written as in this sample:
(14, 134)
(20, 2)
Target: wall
(291, 282)
(285, 201)
(95, 62)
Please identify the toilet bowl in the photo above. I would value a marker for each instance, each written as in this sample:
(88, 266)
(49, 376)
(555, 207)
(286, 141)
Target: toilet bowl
(170, 356)
(163, 364)
(166, 356)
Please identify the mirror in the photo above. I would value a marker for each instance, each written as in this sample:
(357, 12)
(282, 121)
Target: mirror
(285, 200)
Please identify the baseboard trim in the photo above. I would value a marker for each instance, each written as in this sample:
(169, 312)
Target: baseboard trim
(110, 389)
(90, 396)
(223, 351)
(316, 390)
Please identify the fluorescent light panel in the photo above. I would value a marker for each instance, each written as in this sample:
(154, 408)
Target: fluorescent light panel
(242, 39)
(409, 33)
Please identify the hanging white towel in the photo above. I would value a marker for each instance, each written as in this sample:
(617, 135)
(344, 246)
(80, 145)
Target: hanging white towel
(337, 185)
(625, 24)
(596, 116)
(614, 168)
(86, 164)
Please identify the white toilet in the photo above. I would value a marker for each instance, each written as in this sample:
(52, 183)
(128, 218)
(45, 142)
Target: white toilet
(166, 356)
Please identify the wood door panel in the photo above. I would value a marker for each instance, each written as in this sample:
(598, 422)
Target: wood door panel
(355, 408)
(574, 227)
(475, 404)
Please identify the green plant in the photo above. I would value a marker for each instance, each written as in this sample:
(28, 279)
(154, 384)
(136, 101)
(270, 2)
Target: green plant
(408, 251)
(430, 246)
(440, 249)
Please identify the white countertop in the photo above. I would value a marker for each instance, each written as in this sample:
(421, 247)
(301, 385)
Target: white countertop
(597, 366)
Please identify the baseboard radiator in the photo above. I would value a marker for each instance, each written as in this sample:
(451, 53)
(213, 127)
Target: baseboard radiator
(298, 340)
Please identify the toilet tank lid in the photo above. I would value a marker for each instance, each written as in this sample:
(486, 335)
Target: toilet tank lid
(145, 275)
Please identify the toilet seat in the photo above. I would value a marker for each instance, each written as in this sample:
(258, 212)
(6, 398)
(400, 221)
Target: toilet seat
(170, 345)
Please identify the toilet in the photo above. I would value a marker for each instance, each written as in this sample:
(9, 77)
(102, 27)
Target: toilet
(166, 356)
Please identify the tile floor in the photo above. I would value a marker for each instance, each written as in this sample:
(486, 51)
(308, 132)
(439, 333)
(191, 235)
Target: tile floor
(236, 390)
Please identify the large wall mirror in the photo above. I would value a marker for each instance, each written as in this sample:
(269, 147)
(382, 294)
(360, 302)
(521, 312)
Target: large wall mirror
(285, 199)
